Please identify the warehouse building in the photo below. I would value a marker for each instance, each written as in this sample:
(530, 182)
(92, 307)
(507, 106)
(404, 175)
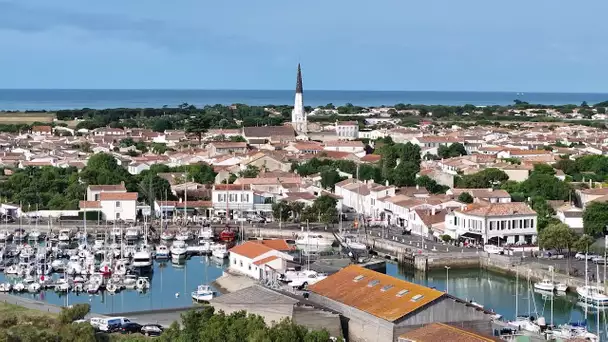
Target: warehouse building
(379, 308)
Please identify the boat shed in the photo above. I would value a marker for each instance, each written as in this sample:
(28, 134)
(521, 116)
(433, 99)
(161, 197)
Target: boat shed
(380, 308)
(275, 306)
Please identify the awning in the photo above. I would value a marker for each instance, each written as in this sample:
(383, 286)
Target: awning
(471, 235)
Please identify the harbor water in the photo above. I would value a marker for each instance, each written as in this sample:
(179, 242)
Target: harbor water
(172, 285)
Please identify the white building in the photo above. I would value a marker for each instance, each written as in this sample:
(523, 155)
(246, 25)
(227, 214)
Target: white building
(298, 115)
(237, 199)
(505, 222)
(257, 260)
(365, 197)
(483, 194)
(355, 147)
(347, 130)
(119, 206)
(571, 216)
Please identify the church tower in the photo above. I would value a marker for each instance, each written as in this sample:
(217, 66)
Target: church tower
(298, 116)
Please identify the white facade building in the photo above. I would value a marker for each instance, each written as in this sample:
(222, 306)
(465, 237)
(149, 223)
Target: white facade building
(254, 259)
(237, 199)
(495, 223)
(347, 130)
(119, 206)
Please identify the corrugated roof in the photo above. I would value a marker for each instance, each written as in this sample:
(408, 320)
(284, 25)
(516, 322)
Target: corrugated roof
(382, 299)
(442, 332)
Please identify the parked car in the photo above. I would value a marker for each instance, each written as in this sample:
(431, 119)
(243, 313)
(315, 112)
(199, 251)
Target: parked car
(582, 256)
(152, 329)
(129, 328)
(598, 260)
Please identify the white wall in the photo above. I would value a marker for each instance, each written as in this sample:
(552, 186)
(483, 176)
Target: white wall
(126, 209)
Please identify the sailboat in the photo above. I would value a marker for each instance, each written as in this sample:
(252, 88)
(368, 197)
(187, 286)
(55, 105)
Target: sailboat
(525, 322)
(204, 292)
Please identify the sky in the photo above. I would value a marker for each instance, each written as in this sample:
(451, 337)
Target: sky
(466, 45)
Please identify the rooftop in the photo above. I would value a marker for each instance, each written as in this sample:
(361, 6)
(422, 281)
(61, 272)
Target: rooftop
(378, 294)
(250, 249)
(118, 196)
(497, 209)
(443, 332)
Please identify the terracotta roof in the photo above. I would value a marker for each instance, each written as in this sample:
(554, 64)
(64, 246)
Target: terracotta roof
(250, 249)
(429, 219)
(356, 286)
(117, 187)
(228, 144)
(279, 245)
(442, 332)
(343, 143)
(266, 260)
(268, 131)
(371, 158)
(89, 204)
(118, 196)
(528, 152)
(498, 209)
(224, 187)
(347, 123)
(191, 204)
(46, 129)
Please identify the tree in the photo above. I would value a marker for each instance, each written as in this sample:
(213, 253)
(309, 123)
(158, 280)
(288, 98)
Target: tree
(251, 171)
(465, 197)
(544, 212)
(296, 209)
(557, 236)
(583, 243)
(154, 187)
(198, 125)
(281, 211)
(595, 219)
(323, 210)
(431, 185)
(329, 179)
(487, 178)
(74, 313)
(405, 174)
(545, 169)
(454, 150)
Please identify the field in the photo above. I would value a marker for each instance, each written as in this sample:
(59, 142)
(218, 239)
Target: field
(25, 118)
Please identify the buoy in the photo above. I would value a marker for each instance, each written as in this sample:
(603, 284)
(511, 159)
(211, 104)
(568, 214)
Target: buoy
(177, 295)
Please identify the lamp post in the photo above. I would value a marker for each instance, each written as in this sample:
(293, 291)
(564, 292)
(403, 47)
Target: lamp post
(447, 279)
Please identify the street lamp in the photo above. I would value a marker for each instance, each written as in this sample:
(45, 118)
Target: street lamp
(447, 279)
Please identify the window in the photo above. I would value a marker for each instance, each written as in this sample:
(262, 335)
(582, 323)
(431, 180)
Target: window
(358, 278)
(234, 261)
(417, 298)
(241, 263)
(117, 216)
(373, 283)
(386, 288)
(402, 293)
(250, 267)
(117, 204)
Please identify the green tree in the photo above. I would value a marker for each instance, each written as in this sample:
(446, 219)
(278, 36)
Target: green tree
(487, 178)
(454, 150)
(251, 171)
(595, 219)
(76, 312)
(557, 236)
(405, 174)
(281, 211)
(583, 243)
(329, 178)
(198, 125)
(465, 197)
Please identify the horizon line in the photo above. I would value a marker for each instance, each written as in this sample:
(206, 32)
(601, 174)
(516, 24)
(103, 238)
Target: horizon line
(517, 93)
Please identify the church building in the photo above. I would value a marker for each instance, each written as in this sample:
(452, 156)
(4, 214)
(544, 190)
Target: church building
(298, 115)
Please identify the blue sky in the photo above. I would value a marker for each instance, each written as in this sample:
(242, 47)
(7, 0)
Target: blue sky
(515, 45)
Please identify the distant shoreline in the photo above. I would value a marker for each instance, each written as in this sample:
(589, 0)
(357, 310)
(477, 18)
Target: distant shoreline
(59, 99)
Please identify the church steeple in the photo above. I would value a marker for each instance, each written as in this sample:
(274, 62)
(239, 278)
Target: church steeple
(299, 81)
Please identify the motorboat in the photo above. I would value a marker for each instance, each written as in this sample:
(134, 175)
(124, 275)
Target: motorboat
(203, 293)
(593, 295)
(130, 281)
(227, 235)
(6, 287)
(183, 235)
(34, 235)
(116, 234)
(64, 235)
(218, 250)
(62, 285)
(205, 234)
(572, 331)
(132, 234)
(142, 260)
(561, 287)
(527, 323)
(178, 250)
(20, 234)
(112, 288)
(162, 252)
(167, 235)
(545, 285)
(5, 235)
(33, 288)
(19, 287)
(93, 287)
(58, 265)
(142, 284)
(351, 242)
(312, 239)
(120, 268)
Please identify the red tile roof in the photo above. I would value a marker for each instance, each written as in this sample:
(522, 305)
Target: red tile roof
(89, 204)
(277, 244)
(266, 260)
(118, 196)
(224, 187)
(250, 249)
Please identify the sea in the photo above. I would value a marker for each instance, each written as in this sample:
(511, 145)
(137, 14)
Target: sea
(171, 287)
(55, 99)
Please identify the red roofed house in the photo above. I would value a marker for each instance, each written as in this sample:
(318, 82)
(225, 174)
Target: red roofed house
(42, 130)
(258, 260)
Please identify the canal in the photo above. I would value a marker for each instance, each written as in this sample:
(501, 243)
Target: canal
(171, 287)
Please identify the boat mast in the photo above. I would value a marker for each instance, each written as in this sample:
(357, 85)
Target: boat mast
(597, 271)
(84, 217)
(516, 292)
(552, 294)
(186, 201)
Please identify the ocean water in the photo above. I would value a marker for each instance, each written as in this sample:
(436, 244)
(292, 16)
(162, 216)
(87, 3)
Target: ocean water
(34, 99)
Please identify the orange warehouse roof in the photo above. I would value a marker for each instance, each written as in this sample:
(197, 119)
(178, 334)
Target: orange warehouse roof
(378, 294)
(443, 332)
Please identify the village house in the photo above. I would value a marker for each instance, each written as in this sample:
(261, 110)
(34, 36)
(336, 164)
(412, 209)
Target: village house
(347, 130)
(258, 260)
(226, 147)
(239, 200)
(355, 147)
(486, 194)
(42, 130)
(495, 223)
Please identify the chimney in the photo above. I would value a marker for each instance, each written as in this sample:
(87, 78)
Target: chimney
(417, 187)
(386, 182)
(433, 211)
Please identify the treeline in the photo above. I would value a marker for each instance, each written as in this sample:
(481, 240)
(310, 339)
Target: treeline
(58, 188)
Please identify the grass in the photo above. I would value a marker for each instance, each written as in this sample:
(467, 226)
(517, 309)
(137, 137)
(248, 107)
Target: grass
(25, 118)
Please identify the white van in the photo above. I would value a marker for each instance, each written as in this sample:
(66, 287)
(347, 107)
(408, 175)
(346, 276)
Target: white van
(106, 324)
